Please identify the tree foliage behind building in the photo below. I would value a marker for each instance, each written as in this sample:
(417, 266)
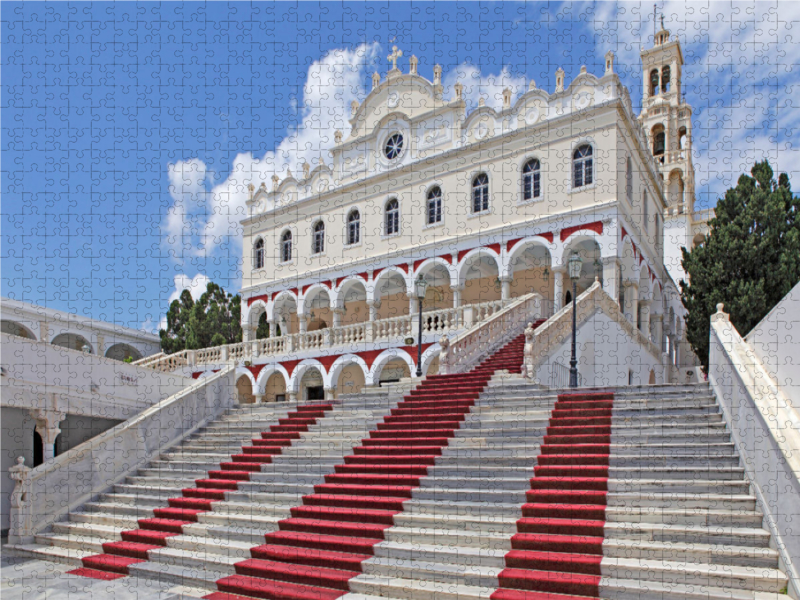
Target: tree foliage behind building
(750, 260)
(211, 321)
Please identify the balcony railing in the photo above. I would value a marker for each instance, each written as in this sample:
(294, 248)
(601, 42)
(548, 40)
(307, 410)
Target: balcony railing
(385, 330)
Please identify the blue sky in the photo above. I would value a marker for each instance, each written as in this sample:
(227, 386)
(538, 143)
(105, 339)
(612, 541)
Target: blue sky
(130, 130)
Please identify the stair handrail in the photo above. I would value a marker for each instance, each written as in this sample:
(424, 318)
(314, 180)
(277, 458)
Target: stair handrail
(46, 493)
(558, 328)
(467, 349)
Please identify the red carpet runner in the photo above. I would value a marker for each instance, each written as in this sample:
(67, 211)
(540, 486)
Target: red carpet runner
(168, 522)
(320, 548)
(560, 542)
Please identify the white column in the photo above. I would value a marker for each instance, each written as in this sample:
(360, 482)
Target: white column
(101, 345)
(505, 288)
(47, 426)
(248, 333)
(631, 301)
(456, 295)
(292, 396)
(272, 331)
(412, 304)
(656, 321)
(301, 321)
(558, 289)
(610, 276)
(329, 394)
(259, 398)
(337, 317)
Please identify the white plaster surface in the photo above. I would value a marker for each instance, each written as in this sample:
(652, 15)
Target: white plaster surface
(776, 342)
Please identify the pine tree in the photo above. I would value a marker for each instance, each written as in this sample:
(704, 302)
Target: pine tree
(750, 260)
(211, 321)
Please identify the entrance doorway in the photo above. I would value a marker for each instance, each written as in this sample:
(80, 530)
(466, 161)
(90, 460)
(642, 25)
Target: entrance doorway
(316, 392)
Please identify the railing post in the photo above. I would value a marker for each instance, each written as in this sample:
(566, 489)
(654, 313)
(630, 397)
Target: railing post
(469, 316)
(369, 331)
(20, 531)
(444, 356)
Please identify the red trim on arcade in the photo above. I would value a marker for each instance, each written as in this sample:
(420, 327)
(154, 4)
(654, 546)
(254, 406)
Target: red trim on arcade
(596, 226)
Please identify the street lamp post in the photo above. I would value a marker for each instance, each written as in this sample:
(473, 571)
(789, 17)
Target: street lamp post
(574, 267)
(420, 287)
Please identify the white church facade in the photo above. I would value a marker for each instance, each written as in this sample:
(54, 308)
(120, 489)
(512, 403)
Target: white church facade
(486, 206)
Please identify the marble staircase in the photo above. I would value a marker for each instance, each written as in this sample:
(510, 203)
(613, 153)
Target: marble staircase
(471, 486)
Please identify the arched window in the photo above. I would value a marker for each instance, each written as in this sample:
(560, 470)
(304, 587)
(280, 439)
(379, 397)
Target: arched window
(435, 205)
(665, 83)
(582, 166)
(654, 82)
(318, 244)
(629, 180)
(286, 246)
(480, 193)
(258, 254)
(531, 180)
(353, 227)
(659, 143)
(392, 217)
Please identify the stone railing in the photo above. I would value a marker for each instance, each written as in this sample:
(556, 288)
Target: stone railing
(766, 432)
(395, 328)
(467, 349)
(559, 328)
(148, 360)
(43, 495)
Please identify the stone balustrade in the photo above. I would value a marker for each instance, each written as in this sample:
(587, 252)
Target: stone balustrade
(395, 329)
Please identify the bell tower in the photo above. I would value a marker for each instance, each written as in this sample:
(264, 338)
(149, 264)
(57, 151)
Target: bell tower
(667, 121)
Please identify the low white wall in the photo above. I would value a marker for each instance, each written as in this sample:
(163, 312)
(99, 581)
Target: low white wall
(776, 342)
(606, 355)
(62, 484)
(40, 375)
(766, 431)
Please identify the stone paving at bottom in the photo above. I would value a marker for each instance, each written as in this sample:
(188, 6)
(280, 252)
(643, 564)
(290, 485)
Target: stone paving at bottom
(25, 579)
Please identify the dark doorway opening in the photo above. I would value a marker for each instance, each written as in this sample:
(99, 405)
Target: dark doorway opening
(38, 449)
(316, 392)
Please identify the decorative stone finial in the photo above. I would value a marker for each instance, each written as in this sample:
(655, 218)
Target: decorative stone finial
(289, 174)
(437, 74)
(560, 80)
(609, 62)
(532, 85)
(597, 279)
(306, 170)
(353, 107)
(507, 98)
(394, 56)
(275, 181)
(251, 188)
(720, 307)
(459, 91)
(412, 63)
(337, 136)
(376, 79)
(583, 69)
(481, 102)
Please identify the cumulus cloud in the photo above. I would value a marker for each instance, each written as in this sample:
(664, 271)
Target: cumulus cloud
(489, 86)
(203, 218)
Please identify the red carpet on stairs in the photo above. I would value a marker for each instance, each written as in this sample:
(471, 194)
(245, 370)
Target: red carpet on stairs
(559, 544)
(322, 545)
(169, 521)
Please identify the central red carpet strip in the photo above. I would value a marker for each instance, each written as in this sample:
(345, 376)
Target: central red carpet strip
(321, 546)
(169, 521)
(557, 551)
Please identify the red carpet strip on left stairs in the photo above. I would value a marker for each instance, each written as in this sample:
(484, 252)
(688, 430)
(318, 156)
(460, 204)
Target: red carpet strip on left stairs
(169, 521)
(316, 552)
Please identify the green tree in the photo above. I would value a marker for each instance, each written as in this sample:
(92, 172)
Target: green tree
(211, 321)
(750, 260)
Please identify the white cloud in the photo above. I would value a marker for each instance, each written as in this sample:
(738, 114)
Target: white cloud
(489, 87)
(202, 220)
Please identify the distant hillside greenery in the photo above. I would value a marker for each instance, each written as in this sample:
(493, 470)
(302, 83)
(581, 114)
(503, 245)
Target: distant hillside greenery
(750, 260)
